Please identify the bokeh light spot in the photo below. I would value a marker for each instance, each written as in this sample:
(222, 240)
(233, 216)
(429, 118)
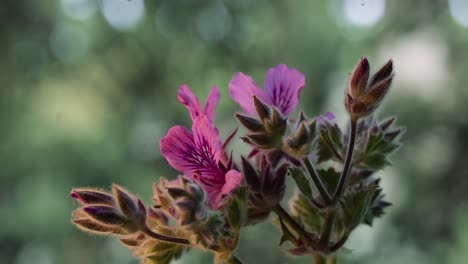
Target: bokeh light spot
(79, 9)
(123, 14)
(459, 11)
(363, 12)
(69, 43)
(214, 22)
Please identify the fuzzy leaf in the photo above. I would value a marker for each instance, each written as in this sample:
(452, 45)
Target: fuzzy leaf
(355, 205)
(301, 181)
(157, 252)
(303, 210)
(330, 178)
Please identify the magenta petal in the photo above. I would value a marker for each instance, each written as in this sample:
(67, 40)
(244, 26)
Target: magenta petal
(212, 102)
(177, 147)
(192, 103)
(233, 179)
(207, 142)
(283, 86)
(242, 88)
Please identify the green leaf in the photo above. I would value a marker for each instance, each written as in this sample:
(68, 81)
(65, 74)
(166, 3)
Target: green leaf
(375, 147)
(307, 213)
(157, 252)
(355, 204)
(330, 142)
(237, 209)
(330, 179)
(377, 207)
(301, 181)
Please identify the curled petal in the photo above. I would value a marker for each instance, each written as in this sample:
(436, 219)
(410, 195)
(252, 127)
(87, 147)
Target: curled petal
(242, 88)
(283, 87)
(212, 102)
(233, 179)
(192, 103)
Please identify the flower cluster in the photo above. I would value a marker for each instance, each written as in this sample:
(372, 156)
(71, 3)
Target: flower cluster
(217, 193)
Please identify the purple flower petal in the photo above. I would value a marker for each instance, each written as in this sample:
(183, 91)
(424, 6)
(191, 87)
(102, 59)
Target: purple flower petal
(177, 147)
(242, 88)
(207, 142)
(329, 116)
(192, 103)
(283, 86)
(233, 179)
(212, 102)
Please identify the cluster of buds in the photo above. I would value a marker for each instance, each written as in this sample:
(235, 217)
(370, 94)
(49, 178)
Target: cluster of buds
(365, 93)
(119, 213)
(268, 130)
(266, 188)
(214, 197)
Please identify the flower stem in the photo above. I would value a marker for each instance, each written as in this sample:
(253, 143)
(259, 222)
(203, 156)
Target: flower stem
(319, 259)
(327, 228)
(316, 179)
(292, 223)
(234, 260)
(168, 239)
(344, 177)
(331, 260)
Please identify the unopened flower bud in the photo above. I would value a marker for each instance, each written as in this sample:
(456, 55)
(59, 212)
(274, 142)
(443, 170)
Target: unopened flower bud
(391, 135)
(187, 201)
(384, 125)
(155, 216)
(125, 201)
(94, 227)
(299, 144)
(266, 188)
(263, 110)
(106, 215)
(364, 96)
(250, 123)
(90, 196)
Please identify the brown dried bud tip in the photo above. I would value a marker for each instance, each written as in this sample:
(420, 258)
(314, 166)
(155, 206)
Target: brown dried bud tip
(364, 94)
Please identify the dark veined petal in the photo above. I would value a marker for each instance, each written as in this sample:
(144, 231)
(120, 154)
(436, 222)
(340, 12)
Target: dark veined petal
(283, 86)
(242, 89)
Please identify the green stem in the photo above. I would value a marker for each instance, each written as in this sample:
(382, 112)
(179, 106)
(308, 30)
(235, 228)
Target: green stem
(319, 259)
(327, 228)
(344, 177)
(331, 260)
(234, 260)
(316, 179)
(168, 239)
(292, 223)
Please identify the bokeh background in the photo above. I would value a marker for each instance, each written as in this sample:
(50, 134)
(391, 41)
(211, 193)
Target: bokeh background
(87, 89)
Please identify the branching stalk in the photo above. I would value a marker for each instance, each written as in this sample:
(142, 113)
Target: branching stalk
(292, 223)
(317, 181)
(168, 239)
(344, 177)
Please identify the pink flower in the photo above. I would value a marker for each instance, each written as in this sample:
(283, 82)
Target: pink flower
(282, 88)
(198, 153)
(192, 103)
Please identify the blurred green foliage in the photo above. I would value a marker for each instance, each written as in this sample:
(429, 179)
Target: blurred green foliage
(89, 87)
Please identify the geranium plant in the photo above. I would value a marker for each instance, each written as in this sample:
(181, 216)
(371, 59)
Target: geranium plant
(218, 193)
